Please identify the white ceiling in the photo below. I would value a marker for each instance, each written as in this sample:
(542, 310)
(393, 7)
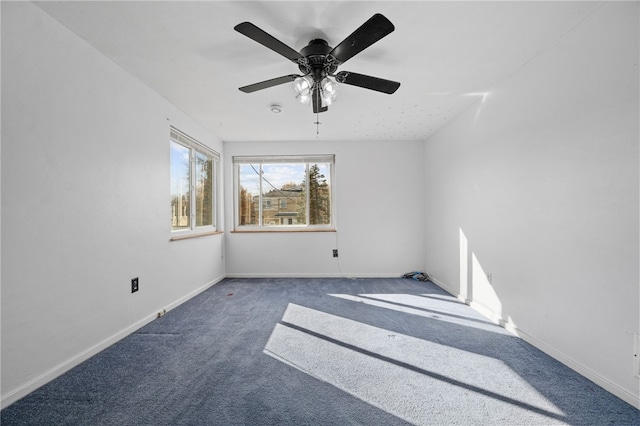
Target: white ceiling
(447, 55)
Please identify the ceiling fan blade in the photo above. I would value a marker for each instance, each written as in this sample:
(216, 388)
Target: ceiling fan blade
(367, 82)
(268, 83)
(370, 32)
(316, 100)
(267, 40)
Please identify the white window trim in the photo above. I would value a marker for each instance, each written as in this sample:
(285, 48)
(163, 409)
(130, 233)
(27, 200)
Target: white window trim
(194, 146)
(282, 159)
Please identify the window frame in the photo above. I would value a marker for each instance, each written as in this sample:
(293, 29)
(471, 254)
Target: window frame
(195, 148)
(308, 161)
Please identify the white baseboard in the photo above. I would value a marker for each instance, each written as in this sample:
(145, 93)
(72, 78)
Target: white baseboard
(596, 378)
(194, 293)
(581, 369)
(44, 378)
(312, 275)
(448, 289)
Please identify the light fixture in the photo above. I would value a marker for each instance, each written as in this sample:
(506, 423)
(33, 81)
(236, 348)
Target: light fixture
(329, 90)
(275, 108)
(305, 86)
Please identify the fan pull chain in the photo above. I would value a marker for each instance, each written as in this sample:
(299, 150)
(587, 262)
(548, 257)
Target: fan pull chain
(317, 123)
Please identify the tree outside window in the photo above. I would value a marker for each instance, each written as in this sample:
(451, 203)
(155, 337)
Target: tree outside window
(193, 186)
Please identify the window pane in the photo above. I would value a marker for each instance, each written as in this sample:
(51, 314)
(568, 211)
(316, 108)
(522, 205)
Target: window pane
(249, 178)
(283, 202)
(293, 191)
(180, 200)
(204, 190)
(319, 194)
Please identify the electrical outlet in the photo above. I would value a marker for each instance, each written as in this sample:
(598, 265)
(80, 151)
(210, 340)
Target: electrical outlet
(134, 284)
(335, 252)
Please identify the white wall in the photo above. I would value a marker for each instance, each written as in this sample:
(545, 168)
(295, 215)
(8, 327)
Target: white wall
(538, 186)
(85, 203)
(379, 209)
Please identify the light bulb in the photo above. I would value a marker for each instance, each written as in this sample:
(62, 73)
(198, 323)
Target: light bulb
(329, 90)
(304, 98)
(303, 86)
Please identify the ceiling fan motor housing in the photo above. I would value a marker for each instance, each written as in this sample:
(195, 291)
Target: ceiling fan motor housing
(317, 61)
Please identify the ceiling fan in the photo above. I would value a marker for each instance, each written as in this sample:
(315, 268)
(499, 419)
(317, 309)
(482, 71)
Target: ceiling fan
(318, 62)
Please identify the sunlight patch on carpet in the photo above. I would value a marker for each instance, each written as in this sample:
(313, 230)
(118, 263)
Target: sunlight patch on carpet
(411, 378)
(416, 305)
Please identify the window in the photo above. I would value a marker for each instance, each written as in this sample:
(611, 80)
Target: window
(276, 193)
(193, 184)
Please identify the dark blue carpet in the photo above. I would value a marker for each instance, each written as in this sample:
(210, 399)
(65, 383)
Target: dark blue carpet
(321, 352)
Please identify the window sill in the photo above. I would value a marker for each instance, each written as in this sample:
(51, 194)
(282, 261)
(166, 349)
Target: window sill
(194, 235)
(267, 231)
